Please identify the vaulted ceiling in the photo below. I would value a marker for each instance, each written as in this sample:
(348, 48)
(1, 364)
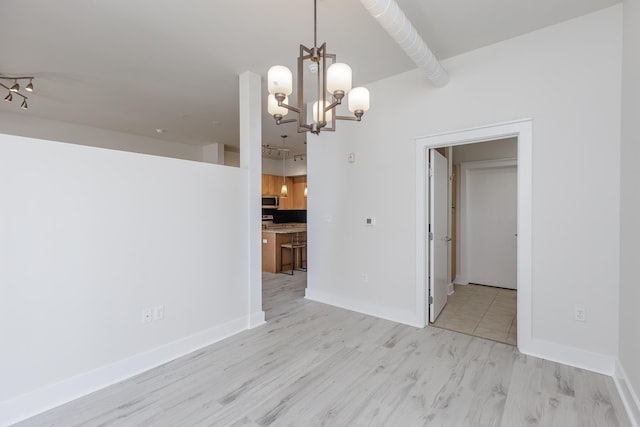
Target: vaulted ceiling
(138, 66)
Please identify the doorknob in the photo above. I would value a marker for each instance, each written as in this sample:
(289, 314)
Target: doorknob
(447, 239)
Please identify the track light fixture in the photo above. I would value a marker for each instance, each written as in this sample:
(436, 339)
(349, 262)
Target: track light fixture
(15, 88)
(279, 152)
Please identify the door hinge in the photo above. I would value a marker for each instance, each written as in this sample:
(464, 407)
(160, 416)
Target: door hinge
(430, 171)
(430, 299)
(430, 236)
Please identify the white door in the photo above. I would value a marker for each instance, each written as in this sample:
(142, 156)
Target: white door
(491, 211)
(438, 244)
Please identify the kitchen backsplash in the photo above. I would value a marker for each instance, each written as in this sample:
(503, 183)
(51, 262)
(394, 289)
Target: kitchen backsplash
(280, 217)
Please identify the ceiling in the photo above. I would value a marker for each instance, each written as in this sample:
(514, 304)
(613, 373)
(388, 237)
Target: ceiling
(138, 66)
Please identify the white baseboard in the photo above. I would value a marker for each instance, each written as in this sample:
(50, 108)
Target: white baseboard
(595, 362)
(450, 289)
(43, 399)
(406, 317)
(628, 393)
(257, 319)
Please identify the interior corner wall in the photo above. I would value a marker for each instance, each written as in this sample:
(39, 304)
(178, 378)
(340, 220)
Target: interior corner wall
(629, 349)
(214, 153)
(566, 78)
(34, 127)
(89, 238)
(232, 158)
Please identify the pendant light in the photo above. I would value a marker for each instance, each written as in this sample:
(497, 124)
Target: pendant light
(284, 191)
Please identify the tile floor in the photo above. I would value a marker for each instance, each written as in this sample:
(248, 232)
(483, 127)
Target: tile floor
(481, 311)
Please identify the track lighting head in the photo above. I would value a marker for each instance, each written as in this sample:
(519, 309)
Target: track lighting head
(15, 88)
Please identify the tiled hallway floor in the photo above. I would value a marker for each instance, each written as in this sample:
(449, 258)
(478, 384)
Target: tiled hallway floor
(481, 311)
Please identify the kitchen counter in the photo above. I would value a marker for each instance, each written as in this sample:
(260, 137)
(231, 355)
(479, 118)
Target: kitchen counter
(287, 230)
(273, 239)
(269, 225)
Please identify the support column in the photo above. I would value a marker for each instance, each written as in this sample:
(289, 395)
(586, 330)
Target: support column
(251, 160)
(213, 153)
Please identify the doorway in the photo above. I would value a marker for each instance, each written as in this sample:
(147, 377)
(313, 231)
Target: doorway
(482, 295)
(522, 131)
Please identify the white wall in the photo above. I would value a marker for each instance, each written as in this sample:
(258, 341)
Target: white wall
(629, 353)
(232, 158)
(89, 237)
(567, 79)
(292, 168)
(214, 153)
(34, 127)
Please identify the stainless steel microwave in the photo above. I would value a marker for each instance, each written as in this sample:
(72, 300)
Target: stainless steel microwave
(270, 202)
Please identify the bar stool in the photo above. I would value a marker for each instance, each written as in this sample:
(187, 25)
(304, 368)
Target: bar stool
(298, 245)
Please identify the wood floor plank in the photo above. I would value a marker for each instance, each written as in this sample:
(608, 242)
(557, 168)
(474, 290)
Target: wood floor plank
(491, 388)
(524, 405)
(318, 365)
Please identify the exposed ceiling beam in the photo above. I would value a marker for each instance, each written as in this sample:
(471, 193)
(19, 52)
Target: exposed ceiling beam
(395, 22)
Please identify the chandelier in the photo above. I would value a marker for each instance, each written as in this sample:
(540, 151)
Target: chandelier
(14, 89)
(334, 80)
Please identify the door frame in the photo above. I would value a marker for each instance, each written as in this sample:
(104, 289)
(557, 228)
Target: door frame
(523, 131)
(463, 203)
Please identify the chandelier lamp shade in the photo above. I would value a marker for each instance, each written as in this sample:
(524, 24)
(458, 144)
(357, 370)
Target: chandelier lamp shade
(332, 85)
(13, 88)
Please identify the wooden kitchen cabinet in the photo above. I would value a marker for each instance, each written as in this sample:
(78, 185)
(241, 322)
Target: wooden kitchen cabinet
(271, 185)
(298, 186)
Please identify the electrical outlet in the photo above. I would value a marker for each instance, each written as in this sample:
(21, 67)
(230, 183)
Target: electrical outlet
(158, 312)
(365, 278)
(146, 315)
(352, 157)
(581, 314)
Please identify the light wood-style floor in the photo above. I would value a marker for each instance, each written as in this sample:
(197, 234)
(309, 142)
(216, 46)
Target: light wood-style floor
(481, 311)
(317, 365)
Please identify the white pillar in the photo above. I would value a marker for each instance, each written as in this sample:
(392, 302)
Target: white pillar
(213, 153)
(251, 159)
